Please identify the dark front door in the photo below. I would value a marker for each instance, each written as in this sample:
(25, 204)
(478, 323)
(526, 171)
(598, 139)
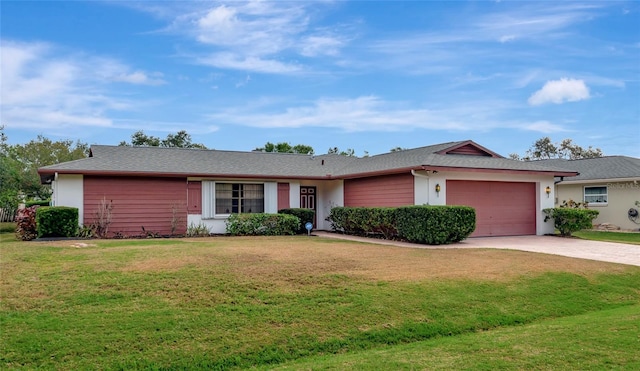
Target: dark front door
(308, 200)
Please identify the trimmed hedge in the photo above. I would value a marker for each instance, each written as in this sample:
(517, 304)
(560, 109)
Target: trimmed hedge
(568, 220)
(260, 224)
(432, 225)
(57, 221)
(364, 220)
(305, 216)
(436, 225)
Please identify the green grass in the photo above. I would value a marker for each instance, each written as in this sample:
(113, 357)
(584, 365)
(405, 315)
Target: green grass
(597, 340)
(222, 303)
(624, 237)
(7, 227)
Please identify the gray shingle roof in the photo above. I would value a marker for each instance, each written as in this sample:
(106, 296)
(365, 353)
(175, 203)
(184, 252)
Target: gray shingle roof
(150, 161)
(608, 167)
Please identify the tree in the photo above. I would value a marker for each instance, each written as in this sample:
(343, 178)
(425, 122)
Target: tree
(397, 149)
(19, 165)
(336, 151)
(179, 140)
(545, 149)
(284, 147)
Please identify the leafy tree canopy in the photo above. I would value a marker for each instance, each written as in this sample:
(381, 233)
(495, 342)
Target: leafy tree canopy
(284, 147)
(397, 149)
(19, 165)
(545, 149)
(337, 151)
(180, 139)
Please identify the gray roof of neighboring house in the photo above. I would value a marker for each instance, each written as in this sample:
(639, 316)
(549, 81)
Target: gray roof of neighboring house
(123, 160)
(607, 167)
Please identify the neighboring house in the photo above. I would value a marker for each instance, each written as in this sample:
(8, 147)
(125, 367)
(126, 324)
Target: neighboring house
(153, 187)
(609, 184)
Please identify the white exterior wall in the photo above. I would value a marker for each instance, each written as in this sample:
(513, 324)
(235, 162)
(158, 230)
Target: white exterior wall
(68, 190)
(428, 181)
(621, 195)
(330, 194)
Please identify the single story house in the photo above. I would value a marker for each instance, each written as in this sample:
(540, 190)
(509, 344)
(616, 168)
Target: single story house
(609, 184)
(156, 188)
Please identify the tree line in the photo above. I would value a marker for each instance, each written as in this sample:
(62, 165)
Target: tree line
(19, 163)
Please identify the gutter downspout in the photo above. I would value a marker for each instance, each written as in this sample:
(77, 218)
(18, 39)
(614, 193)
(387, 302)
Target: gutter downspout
(54, 188)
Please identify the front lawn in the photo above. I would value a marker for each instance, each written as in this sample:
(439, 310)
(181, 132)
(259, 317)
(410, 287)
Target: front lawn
(224, 303)
(613, 236)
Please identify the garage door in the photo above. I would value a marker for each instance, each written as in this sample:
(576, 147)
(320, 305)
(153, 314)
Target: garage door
(502, 208)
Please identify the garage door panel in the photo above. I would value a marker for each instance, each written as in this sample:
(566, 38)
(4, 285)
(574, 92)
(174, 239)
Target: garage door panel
(502, 208)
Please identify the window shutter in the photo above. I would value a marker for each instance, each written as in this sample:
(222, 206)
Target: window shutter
(208, 199)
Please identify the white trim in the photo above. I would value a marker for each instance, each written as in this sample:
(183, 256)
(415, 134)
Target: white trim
(596, 203)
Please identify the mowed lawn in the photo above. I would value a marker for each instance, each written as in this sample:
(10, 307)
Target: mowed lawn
(309, 303)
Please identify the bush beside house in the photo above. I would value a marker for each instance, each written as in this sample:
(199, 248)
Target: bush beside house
(568, 220)
(305, 216)
(262, 224)
(432, 225)
(57, 221)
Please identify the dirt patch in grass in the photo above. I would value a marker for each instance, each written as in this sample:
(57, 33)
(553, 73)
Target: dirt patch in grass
(272, 257)
(277, 259)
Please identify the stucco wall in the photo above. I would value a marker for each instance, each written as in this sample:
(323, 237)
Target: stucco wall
(68, 191)
(621, 197)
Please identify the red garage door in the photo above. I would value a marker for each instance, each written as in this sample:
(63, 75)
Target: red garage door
(502, 208)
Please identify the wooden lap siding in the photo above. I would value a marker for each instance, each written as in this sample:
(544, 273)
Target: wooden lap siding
(382, 191)
(150, 202)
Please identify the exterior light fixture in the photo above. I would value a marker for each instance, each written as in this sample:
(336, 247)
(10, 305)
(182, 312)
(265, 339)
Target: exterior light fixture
(548, 191)
(437, 188)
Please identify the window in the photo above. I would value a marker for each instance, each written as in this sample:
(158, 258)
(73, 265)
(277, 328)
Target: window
(236, 198)
(595, 195)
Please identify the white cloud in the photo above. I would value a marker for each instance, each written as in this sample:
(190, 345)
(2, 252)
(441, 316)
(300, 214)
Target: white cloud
(139, 78)
(321, 45)
(248, 63)
(544, 127)
(560, 91)
(256, 36)
(363, 114)
(43, 88)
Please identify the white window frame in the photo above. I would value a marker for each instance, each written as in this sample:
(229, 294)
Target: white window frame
(209, 198)
(596, 203)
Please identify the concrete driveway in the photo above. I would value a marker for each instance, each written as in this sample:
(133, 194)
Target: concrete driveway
(571, 247)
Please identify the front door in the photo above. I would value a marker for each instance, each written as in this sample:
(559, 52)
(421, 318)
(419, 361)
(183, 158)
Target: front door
(308, 200)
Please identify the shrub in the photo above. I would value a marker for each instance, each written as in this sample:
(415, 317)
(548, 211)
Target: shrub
(200, 230)
(262, 224)
(435, 225)
(26, 224)
(57, 221)
(305, 216)
(568, 220)
(364, 220)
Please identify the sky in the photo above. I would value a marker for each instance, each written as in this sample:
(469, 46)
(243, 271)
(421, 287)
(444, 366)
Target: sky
(363, 75)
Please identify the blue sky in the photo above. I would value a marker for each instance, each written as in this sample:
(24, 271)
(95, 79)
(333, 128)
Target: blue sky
(366, 75)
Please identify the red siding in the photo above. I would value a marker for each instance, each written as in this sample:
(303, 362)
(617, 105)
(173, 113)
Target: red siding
(194, 197)
(502, 208)
(468, 150)
(150, 202)
(382, 191)
(283, 196)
